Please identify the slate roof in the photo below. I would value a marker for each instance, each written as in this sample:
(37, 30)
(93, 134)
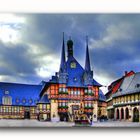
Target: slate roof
(28, 93)
(129, 85)
(75, 75)
(102, 97)
(44, 99)
(62, 64)
(54, 79)
(87, 61)
(95, 83)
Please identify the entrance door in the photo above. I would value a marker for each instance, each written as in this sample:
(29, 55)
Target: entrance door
(135, 115)
(61, 117)
(122, 113)
(117, 114)
(64, 117)
(127, 113)
(27, 115)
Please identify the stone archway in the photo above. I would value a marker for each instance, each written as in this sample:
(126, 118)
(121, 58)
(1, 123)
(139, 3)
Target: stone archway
(117, 114)
(135, 115)
(122, 113)
(126, 113)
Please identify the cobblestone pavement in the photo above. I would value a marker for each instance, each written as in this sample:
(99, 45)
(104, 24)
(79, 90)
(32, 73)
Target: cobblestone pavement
(116, 124)
(35, 123)
(32, 123)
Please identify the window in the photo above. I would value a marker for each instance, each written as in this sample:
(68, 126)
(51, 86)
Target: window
(48, 107)
(64, 89)
(72, 92)
(6, 92)
(89, 104)
(114, 101)
(24, 100)
(86, 90)
(1, 109)
(64, 104)
(75, 79)
(120, 89)
(119, 99)
(18, 110)
(122, 99)
(44, 106)
(30, 101)
(12, 109)
(137, 85)
(32, 110)
(73, 65)
(136, 97)
(6, 109)
(7, 100)
(17, 100)
(60, 89)
(126, 98)
(78, 92)
(40, 106)
(15, 109)
(9, 109)
(89, 90)
(59, 104)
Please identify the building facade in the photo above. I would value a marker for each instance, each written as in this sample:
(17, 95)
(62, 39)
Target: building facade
(70, 90)
(126, 99)
(102, 106)
(22, 101)
(114, 86)
(72, 86)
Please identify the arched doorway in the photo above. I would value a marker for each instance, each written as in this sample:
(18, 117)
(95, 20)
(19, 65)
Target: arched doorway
(126, 113)
(135, 115)
(122, 113)
(117, 114)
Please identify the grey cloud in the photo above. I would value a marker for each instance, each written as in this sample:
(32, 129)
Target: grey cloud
(45, 32)
(16, 61)
(112, 60)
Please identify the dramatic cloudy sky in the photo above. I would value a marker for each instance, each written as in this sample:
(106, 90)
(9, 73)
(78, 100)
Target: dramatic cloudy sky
(30, 44)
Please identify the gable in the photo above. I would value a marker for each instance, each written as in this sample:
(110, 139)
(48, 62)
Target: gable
(75, 73)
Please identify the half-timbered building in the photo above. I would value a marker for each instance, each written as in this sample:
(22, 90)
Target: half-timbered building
(71, 86)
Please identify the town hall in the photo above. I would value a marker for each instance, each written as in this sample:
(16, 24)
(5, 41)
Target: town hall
(69, 94)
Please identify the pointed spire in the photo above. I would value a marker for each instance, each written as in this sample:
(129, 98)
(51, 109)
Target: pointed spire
(62, 64)
(87, 61)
